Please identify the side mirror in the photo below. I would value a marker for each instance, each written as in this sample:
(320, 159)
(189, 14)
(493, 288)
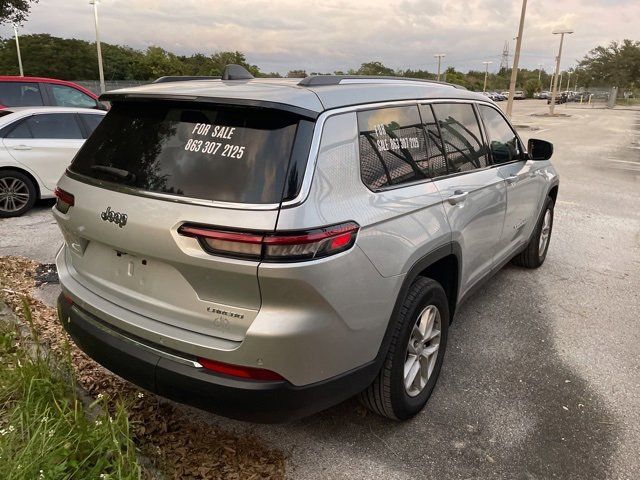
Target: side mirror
(539, 149)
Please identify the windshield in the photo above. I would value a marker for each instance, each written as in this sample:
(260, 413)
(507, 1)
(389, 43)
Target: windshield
(221, 153)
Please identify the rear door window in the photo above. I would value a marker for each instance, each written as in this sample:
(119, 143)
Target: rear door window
(54, 125)
(20, 94)
(461, 136)
(437, 162)
(393, 147)
(503, 142)
(220, 153)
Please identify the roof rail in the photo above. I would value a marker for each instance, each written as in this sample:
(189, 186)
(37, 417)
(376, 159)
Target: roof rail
(183, 78)
(236, 72)
(322, 80)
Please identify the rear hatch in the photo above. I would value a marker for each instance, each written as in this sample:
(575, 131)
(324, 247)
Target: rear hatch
(153, 166)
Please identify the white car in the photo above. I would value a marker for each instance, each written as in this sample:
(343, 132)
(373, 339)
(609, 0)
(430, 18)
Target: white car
(38, 143)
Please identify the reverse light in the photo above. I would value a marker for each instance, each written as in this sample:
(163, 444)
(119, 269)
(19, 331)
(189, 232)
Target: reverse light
(281, 247)
(248, 373)
(65, 200)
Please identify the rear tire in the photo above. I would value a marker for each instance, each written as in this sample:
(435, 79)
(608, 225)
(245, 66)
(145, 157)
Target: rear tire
(17, 193)
(536, 250)
(409, 350)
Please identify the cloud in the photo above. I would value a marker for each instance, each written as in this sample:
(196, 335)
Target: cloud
(280, 35)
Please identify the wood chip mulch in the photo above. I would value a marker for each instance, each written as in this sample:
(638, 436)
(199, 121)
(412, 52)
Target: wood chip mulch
(174, 446)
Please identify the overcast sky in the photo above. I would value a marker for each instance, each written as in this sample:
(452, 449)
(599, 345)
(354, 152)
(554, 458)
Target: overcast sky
(279, 35)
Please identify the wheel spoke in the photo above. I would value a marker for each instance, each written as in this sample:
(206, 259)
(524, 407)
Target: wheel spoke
(411, 372)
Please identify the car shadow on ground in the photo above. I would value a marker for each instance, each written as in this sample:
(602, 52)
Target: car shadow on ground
(506, 406)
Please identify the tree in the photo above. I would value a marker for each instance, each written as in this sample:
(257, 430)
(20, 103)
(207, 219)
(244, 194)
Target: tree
(15, 11)
(617, 64)
(296, 74)
(222, 59)
(532, 86)
(374, 68)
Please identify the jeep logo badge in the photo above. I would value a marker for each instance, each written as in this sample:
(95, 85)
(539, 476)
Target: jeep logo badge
(118, 218)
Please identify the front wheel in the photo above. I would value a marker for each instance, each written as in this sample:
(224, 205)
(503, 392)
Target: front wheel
(17, 193)
(415, 355)
(536, 250)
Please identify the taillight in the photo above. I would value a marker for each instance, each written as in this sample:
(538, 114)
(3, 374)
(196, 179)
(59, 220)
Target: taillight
(65, 200)
(282, 247)
(249, 373)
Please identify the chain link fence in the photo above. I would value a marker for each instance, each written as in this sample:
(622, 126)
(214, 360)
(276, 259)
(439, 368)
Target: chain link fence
(94, 85)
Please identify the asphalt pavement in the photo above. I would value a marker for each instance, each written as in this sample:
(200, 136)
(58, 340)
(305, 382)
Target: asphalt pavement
(541, 378)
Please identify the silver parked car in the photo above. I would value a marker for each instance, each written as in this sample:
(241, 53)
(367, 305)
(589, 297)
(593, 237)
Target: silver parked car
(266, 248)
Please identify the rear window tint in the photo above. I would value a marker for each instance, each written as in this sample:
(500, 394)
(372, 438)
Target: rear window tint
(393, 147)
(221, 153)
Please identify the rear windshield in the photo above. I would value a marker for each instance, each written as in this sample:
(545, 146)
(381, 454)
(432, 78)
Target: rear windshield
(222, 153)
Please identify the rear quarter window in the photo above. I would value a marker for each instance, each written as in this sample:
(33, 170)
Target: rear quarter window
(220, 153)
(393, 147)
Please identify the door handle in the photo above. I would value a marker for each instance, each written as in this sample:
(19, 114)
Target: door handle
(22, 147)
(458, 197)
(511, 179)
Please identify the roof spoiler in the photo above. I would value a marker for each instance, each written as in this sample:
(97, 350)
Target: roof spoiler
(323, 80)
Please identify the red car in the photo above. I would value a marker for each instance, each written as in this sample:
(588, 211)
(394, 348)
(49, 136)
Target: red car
(38, 91)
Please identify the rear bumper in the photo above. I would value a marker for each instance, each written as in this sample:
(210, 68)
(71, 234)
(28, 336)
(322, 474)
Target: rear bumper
(180, 378)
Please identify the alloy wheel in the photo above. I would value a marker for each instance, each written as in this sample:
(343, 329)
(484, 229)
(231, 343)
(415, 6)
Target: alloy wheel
(14, 194)
(422, 350)
(545, 233)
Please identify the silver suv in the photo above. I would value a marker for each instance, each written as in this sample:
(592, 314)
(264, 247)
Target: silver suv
(266, 248)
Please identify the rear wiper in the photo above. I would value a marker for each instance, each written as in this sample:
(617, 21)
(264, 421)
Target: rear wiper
(116, 172)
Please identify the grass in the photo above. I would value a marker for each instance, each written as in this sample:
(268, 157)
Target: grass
(45, 430)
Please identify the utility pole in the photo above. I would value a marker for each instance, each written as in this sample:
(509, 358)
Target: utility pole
(551, 81)
(486, 72)
(100, 70)
(539, 71)
(554, 92)
(568, 79)
(15, 31)
(560, 82)
(439, 56)
(516, 59)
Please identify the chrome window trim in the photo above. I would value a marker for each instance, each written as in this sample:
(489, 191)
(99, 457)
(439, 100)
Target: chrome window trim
(309, 170)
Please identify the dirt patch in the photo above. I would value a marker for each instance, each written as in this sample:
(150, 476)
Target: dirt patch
(164, 433)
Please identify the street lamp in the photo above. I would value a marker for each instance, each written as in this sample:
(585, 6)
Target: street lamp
(486, 72)
(100, 70)
(568, 79)
(516, 59)
(15, 31)
(555, 78)
(539, 71)
(439, 56)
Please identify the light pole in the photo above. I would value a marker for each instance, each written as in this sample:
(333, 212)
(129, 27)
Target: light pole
(439, 56)
(100, 70)
(555, 78)
(568, 79)
(486, 72)
(539, 71)
(15, 31)
(516, 59)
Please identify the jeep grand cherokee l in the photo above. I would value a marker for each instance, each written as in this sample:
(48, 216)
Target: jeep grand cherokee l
(266, 248)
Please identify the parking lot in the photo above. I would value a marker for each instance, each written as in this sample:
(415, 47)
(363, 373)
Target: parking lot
(541, 378)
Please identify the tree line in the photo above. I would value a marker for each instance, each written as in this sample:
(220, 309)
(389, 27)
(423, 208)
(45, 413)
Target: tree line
(71, 59)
